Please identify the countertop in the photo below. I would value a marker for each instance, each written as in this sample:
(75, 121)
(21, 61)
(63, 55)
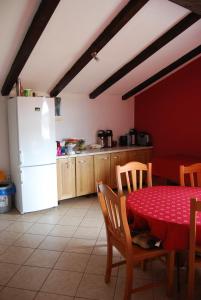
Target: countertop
(105, 151)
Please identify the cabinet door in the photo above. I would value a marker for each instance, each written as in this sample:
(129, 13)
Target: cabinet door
(119, 158)
(102, 168)
(85, 175)
(147, 155)
(144, 156)
(132, 155)
(141, 155)
(66, 178)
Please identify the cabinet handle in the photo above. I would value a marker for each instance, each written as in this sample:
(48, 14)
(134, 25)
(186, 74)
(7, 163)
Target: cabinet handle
(115, 157)
(67, 164)
(105, 158)
(82, 161)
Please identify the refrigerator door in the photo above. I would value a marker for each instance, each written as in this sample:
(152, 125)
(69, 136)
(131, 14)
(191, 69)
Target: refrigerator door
(36, 131)
(38, 188)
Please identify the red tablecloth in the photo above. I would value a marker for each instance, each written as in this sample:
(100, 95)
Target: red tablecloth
(166, 211)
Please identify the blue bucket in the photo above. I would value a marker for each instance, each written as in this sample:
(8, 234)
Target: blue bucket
(7, 190)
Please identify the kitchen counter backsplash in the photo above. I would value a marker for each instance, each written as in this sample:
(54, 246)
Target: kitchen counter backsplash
(104, 150)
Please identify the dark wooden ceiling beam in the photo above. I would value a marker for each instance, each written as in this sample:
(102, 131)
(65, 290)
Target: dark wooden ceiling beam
(40, 20)
(173, 66)
(146, 53)
(109, 32)
(193, 5)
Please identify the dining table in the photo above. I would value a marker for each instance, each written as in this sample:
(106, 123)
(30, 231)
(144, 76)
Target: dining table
(165, 210)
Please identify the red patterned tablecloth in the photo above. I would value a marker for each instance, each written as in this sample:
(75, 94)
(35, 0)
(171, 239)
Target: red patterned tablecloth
(166, 211)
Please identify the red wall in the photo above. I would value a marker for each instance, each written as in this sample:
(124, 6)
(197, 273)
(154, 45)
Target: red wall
(171, 112)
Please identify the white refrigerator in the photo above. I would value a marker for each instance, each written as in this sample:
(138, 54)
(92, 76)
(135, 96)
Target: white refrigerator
(32, 147)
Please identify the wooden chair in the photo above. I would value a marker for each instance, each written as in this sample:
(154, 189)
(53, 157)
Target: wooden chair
(188, 175)
(194, 172)
(134, 175)
(118, 235)
(193, 261)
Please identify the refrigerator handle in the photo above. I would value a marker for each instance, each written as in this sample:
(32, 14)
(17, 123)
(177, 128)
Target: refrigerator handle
(20, 158)
(21, 176)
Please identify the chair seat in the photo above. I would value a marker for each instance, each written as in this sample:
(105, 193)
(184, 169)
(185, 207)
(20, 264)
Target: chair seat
(140, 253)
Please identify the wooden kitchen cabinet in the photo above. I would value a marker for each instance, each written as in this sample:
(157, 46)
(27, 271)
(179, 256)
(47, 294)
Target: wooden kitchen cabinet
(148, 155)
(102, 168)
(143, 156)
(133, 156)
(118, 158)
(77, 176)
(66, 178)
(85, 175)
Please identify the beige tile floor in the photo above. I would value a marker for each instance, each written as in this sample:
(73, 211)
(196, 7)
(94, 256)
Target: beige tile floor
(60, 254)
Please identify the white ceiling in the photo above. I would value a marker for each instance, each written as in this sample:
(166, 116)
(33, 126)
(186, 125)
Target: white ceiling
(74, 26)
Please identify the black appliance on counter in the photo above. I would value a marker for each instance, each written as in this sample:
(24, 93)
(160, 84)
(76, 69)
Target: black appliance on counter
(123, 140)
(101, 138)
(143, 139)
(133, 137)
(108, 138)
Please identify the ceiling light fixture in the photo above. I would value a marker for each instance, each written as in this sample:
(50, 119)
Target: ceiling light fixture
(94, 55)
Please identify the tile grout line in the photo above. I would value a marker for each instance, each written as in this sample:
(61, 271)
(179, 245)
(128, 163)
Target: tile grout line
(63, 251)
(87, 261)
(57, 261)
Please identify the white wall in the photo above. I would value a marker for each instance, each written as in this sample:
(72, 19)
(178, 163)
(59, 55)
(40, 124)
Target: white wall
(4, 151)
(82, 117)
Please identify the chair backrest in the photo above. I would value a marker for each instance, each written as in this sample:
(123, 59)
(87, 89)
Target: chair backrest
(134, 175)
(195, 207)
(114, 212)
(194, 173)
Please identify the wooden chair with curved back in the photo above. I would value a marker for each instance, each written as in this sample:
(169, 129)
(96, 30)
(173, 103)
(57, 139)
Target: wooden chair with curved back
(133, 171)
(194, 260)
(118, 236)
(194, 173)
(189, 175)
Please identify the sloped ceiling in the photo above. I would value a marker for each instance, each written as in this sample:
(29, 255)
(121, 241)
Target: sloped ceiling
(74, 25)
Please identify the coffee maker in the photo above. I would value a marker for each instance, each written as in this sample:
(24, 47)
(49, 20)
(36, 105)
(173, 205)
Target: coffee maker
(101, 138)
(133, 137)
(108, 138)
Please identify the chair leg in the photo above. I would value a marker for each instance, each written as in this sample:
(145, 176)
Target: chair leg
(109, 262)
(144, 265)
(191, 279)
(129, 280)
(170, 272)
(178, 272)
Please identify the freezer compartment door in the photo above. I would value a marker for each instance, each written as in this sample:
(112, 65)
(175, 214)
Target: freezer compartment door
(36, 127)
(39, 188)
